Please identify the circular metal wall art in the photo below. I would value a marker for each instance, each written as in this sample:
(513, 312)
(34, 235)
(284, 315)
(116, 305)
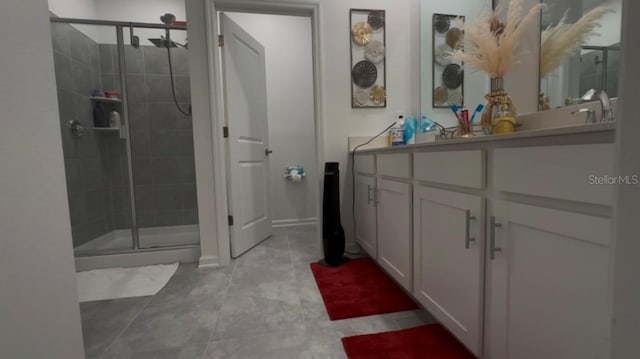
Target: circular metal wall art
(364, 74)
(454, 38)
(455, 97)
(440, 96)
(376, 19)
(374, 52)
(452, 76)
(442, 54)
(441, 23)
(361, 97)
(377, 95)
(361, 33)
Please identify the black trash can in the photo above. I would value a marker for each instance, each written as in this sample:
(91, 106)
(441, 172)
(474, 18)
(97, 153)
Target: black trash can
(333, 240)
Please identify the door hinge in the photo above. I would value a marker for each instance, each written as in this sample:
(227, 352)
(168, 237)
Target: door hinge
(225, 131)
(220, 40)
(230, 219)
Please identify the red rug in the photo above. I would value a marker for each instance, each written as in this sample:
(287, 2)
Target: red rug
(358, 288)
(424, 342)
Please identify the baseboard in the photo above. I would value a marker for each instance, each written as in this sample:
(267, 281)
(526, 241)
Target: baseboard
(294, 222)
(209, 262)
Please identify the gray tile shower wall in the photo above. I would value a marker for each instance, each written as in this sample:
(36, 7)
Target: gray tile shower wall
(161, 137)
(90, 160)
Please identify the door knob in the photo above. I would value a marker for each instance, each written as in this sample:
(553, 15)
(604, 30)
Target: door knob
(267, 152)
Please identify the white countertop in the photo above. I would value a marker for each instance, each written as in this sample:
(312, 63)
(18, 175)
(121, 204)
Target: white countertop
(599, 129)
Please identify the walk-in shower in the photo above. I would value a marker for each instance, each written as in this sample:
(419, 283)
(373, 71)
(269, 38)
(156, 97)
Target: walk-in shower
(131, 182)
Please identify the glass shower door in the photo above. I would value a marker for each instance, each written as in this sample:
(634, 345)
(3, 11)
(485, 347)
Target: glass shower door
(162, 139)
(95, 151)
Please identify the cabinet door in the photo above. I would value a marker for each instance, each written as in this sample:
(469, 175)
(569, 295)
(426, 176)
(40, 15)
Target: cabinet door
(394, 230)
(448, 251)
(548, 290)
(366, 215)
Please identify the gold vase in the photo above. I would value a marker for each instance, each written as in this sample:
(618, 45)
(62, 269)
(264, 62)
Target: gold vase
(499, 115)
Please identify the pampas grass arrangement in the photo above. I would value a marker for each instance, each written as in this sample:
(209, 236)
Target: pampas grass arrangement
(494, 44)
(562, 40)
(494, 48)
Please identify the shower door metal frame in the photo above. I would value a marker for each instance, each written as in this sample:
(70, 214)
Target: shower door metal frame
(119, 26)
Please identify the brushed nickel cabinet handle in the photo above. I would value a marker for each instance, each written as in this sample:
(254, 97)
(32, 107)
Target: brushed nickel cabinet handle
(467, 235)
(492, 238)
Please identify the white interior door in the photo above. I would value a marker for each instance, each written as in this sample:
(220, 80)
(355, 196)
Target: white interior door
(245, 94)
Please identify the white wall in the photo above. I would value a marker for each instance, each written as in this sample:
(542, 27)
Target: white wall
(476, 82)
(39, 311)
(339, 120)
(83, 9)
(608, 33)
(121, 10)
(142, 11)
(289, 65)
(626, 296)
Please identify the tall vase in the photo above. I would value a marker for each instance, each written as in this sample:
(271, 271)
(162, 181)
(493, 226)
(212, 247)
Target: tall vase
(499, 116)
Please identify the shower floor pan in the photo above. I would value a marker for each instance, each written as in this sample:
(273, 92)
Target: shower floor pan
(151, 237)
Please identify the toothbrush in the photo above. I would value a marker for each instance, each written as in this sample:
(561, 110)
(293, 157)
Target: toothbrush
(478, 109)
(454, 109)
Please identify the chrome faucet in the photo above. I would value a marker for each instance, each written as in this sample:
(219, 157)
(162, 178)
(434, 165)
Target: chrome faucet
(441, 128)
(607, 111)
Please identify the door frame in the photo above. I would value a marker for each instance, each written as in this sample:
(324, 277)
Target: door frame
(219, 146)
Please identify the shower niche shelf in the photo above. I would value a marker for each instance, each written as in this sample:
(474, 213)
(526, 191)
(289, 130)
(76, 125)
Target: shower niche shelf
(106, 99)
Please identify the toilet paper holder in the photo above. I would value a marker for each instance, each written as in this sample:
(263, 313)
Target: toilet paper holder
(294, 173)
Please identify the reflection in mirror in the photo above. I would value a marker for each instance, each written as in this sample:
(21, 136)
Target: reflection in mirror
(580, 50)
(433, 103)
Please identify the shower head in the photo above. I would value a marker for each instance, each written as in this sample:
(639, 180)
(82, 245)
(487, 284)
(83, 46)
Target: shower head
(168, 18)
(164, 42)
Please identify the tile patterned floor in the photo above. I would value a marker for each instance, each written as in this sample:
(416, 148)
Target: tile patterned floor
(264, 305)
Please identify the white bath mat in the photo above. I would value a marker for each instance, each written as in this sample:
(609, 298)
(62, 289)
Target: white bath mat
(113, 283)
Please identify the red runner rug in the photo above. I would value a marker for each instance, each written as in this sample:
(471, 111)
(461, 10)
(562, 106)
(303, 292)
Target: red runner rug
(424, 342)
(359, 288)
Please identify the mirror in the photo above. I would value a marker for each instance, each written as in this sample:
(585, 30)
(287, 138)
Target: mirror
(594, 64)
(432, 66)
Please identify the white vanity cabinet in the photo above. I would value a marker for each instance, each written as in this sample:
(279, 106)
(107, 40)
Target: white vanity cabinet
(448, 265)
(394, 230)
(508, 246)
(548, 268)
(394, 217)
(365, 212)
(448, 240)
(547, 284)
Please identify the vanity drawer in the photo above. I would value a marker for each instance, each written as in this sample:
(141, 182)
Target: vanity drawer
(562, 172)
(365, 164)
(458, 168)
(394, 165)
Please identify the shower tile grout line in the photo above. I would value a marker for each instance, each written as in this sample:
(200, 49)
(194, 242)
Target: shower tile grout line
(224, 299)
